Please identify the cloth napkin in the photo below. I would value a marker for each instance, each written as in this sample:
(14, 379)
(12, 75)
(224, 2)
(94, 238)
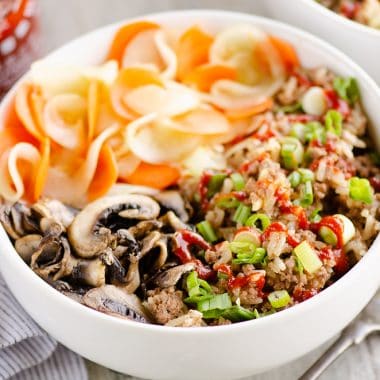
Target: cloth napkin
(27, 352)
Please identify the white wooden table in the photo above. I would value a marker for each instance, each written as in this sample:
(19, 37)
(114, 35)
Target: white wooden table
(63, 20)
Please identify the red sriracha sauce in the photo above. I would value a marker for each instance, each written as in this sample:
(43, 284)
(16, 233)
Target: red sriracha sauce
(264, 136)
(299, 212)
(335, 226)
(279, 227)
(185, 239)
(301, 295)
(203, 188)
(239, 282)
(337, 103)
(349, 9)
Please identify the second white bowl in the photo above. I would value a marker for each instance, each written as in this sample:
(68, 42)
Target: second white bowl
(358, 41)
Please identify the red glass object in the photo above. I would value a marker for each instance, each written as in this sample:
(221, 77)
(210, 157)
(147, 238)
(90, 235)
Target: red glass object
(19, 44)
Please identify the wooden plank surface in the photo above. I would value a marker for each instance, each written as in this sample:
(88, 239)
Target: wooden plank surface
(63, 20)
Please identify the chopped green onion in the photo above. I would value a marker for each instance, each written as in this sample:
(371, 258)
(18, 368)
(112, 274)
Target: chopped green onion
(242, 247)
(333, 122)
(307, 256)
(212, 314)
(257, 314)
(198, 298)
(215, 183)
(238, 181)
(347, 89)
(299, 266)
(227, 202)
(314, 216)
(291, 152)
(306, 175)
(328, 235)
(360, 190)
(238, 313)
(206, 230)
(198, 289)
(307, 197)
(294, 178)
(260, 221)
(279, 298)
(242, 214)
(192, 284)
(298, 131)
(254, 257)
(315, 131)
(348, 230)
(291, 108)
(218, 301)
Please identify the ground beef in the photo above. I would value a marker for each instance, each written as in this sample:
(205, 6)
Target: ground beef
(165, 304)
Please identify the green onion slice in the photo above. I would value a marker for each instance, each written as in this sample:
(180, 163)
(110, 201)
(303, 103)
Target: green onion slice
(238, 313)
(242, 214)
(333, 122)
(360, 190)
(218, 301)
(306, 175)
(279, 298)
(315, 131)
(298, 131)
(291, 152)
(242, 247)
(347, 89)
(215, 183)
(206, 230)
(255, 257)
(238, 181)
(294, 178)
(307, 196)
(260, 221)
(308, 257)
(227, 202)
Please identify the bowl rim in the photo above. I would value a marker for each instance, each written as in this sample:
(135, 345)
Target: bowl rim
(339, 18)
(304, 307)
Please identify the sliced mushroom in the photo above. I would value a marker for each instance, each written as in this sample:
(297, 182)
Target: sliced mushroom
(141, 229)
(132, 279)
(49, 226)
(127, 241)
(48, 258)
(89, 272)
(115, 271)
(28, 245)
(170, 219)
(171, 276)
(87, 236)
(55, 210)
(172, 200)
(112, 300)
(17, 220)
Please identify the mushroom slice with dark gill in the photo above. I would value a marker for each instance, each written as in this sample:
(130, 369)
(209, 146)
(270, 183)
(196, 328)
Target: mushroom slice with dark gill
(112, 300)
(171, 276)
(27, 245)
(17, 220)
(54, 210)
(87, 235)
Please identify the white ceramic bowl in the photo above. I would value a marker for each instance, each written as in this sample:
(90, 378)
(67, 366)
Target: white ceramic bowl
(224, 352)
(358, 41)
